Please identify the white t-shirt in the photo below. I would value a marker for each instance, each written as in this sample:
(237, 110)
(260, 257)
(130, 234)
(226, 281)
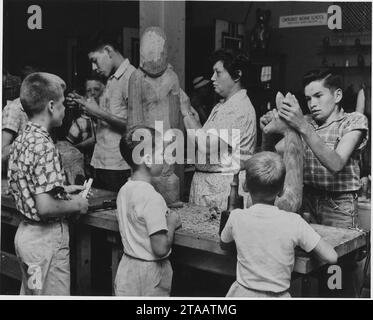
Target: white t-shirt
(265, 238)
(141, 212)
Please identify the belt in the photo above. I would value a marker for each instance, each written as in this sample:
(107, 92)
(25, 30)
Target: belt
(265, 292)
(46, 221)
(205, 171)
(143, 260)
(314, 191)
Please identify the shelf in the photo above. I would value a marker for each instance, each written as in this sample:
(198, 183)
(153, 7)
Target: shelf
(351, 68)
(342, 49)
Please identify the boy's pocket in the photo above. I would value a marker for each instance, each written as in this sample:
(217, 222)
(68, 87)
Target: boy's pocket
(162, 278)
(344, 204)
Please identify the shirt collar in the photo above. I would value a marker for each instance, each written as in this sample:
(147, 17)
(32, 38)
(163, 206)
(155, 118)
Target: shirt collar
(340, 116)
(18, 102)
(33, 126)
(264, 207)
(240, 94)
(121, 70)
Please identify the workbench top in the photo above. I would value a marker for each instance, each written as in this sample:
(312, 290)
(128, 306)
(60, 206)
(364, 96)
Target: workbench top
(200, 228)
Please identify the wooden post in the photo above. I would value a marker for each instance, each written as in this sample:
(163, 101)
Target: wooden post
(157, 13)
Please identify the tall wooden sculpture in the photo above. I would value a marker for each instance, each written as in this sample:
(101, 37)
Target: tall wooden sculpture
(154, 95)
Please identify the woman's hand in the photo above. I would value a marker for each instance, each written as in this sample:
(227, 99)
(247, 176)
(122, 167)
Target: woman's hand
(290, 111)
(185, 106)
(195, 114)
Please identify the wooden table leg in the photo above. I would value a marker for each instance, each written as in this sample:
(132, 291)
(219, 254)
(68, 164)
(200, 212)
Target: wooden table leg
(306, 286)
(83, 260)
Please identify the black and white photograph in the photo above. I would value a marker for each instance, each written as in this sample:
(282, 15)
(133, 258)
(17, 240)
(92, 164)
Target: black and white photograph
(186, 149)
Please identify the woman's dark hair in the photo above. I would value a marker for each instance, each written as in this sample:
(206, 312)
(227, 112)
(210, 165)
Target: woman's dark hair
(332, 81)
(233, 61)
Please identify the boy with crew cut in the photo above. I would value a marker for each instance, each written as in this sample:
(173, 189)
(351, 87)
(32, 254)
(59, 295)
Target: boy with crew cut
(36, 182)
(266, 236)
(146, 227)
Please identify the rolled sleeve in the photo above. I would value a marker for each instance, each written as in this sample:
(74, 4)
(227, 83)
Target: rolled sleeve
(358, 121)
(308, 238)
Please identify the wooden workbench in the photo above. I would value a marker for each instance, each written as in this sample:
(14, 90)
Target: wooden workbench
(197, 249)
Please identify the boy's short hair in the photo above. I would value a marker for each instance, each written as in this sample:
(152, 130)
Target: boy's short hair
(128, 143)
(265, 173)
(100, 40)
(95, 77)
(38, 89)
(332, 81)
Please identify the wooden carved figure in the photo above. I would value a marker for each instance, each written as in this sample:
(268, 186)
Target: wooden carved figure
(154, 95)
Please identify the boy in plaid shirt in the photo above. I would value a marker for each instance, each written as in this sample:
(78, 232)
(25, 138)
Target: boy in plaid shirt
(333, 141)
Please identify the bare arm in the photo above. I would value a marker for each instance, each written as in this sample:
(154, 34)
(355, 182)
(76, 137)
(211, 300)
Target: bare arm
(92, 108)
(360, 103)
(206, 143)
(47, 206)
(162, 241)
(6, 141)
(230, 246)
(325, 252)
(118, 123)
(333, 160)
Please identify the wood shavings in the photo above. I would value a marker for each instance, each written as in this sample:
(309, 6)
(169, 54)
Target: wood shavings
(199, 221)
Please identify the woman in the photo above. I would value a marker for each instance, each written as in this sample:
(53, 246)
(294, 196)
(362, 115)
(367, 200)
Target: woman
(234, 113)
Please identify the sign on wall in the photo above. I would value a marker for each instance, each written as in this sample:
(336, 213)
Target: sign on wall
(303, 20)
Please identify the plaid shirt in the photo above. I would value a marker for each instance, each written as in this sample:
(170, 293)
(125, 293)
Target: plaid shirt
(11, 86)
(319, 177)
(81, 129)
(14, 117)
(34, 168)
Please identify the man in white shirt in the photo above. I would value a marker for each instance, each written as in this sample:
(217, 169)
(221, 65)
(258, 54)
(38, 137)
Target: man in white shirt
(111, 171)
